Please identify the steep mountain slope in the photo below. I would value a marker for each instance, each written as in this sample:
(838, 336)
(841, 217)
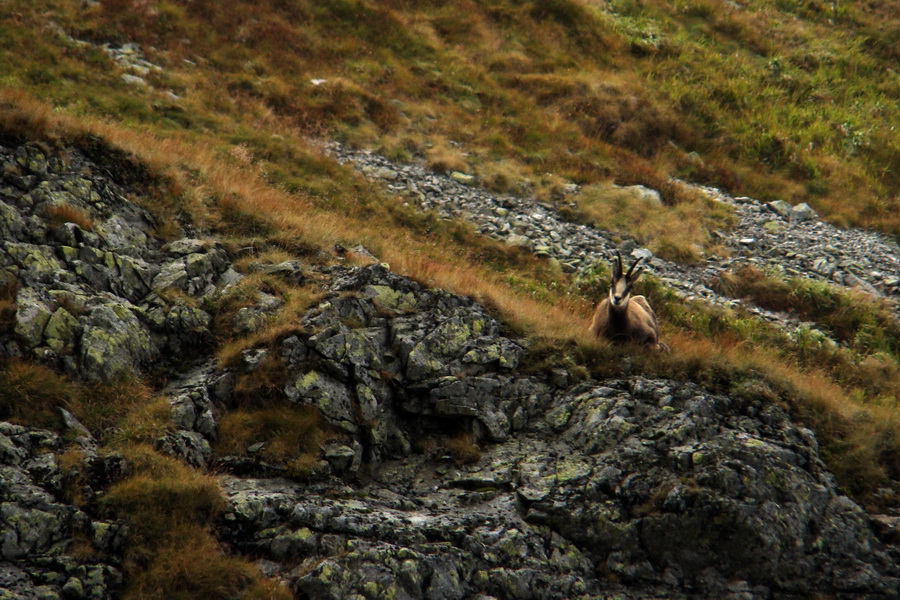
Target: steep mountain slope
(294, 299)
(637, 486)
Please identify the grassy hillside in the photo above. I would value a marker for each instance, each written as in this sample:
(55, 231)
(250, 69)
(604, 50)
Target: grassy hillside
(771, 98)
(774, 99)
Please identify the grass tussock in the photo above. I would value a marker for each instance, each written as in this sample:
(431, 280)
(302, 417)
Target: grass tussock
(143, 424)
(288, 433)
(852, 316)
(31, 394)
(171, 551)
(192, 565)
(443, 158)
(463, 448)
(59, 214)
(680, 232)
(162, 493)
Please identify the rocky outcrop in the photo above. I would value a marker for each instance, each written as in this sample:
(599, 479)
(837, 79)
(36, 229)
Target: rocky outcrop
(39, 528)
(98, 295)
(632, 486)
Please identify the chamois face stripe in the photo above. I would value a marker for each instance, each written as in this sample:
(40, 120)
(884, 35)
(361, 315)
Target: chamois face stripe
(619, 292)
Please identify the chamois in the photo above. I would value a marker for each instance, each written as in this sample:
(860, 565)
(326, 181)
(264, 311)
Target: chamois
(622, 317)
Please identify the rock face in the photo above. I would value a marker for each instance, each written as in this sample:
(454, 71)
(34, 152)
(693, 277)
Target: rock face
(626, 488)
(38, 528)
(634, 486)
(92, 280)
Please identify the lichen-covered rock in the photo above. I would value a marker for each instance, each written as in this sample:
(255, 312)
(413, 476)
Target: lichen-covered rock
(37, 528)
(188, 446)
(32, 316)
(61, 331)
(382, 341)
(107, 265)
(114, 343)
(635, 487)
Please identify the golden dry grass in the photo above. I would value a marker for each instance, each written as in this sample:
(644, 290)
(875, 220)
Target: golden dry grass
(463, 448)
(59, 214)
(31, 394)
(192, 564)
(288, 432)
(680, 232)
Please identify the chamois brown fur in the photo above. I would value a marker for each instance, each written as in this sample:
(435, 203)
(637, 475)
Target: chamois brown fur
(622, 317)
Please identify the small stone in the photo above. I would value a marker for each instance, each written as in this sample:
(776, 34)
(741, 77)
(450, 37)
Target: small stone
(134, 80)
(642, 253)
(521, 241)
(73, 589)
(339, 456)
(781, 207)
(462, 178)
(803, 212)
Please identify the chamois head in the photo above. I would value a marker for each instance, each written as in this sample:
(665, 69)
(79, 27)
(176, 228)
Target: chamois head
(620, 290)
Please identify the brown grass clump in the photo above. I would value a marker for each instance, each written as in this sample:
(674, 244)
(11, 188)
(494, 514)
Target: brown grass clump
(143, 424)
(59, 214)
(105, 405)
(162, 493)
(288, 432)
(9, 288)
(443, 158)
(263, 386)
(680, 232)
(463, 448)
(505, 177)
(192, 564)
(171, 552)
(30, 394)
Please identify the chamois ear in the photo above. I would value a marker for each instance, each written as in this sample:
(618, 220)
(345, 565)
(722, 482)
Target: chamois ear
(617, 266)
(634, 277)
